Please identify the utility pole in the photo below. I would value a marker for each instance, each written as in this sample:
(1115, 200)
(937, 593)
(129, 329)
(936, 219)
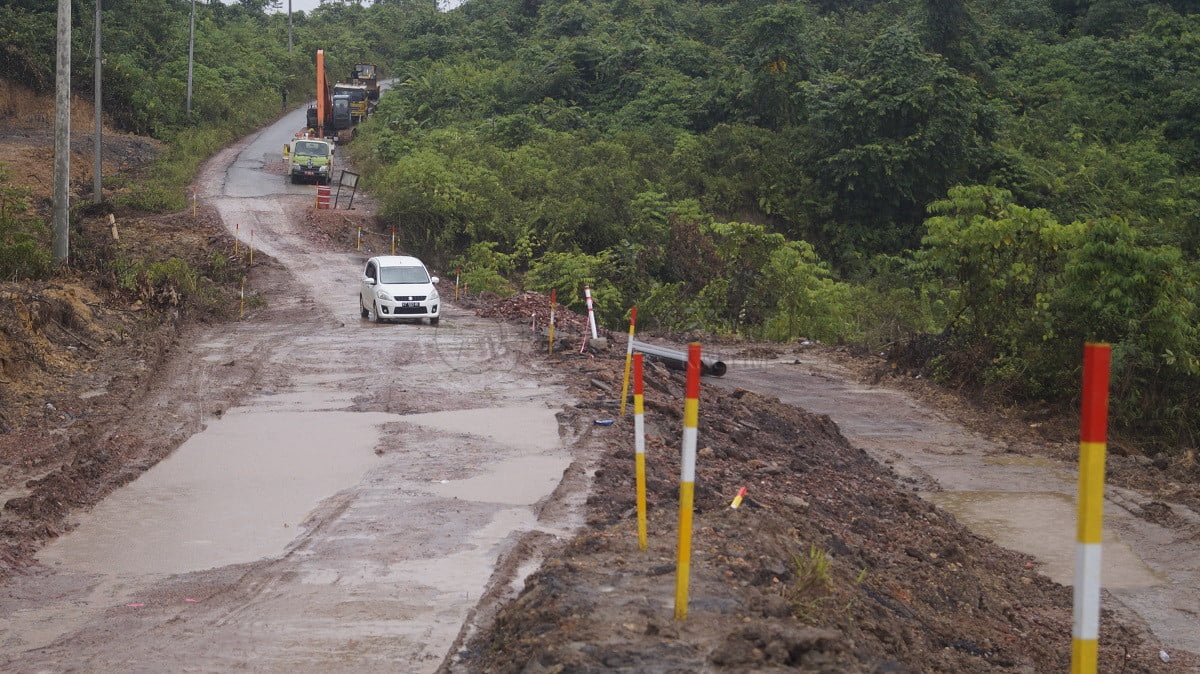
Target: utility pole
(62, 136)
(191, 54)
(289, 27)
(97, 195)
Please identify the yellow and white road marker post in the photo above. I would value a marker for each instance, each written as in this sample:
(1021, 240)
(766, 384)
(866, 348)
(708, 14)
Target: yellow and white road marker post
(628, 356)
(252, 247)
(1093, 444)
(195, 202)
(457, 273)
(237, 229)
(393, 240)
(639, 446)
(242, 302)
(737, 499)
(358, 246)
(687, 481)
(553, 302)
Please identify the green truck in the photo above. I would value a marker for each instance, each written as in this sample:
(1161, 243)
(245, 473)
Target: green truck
(309, 160)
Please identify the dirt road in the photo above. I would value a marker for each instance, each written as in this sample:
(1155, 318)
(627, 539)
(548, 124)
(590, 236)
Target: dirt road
(1010, 491)
(346, 492)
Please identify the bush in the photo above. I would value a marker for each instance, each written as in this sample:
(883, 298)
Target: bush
(24, 238)
(568, 273)
(485, 270)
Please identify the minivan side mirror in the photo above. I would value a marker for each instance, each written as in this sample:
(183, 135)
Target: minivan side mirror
(434, 280)
(368, 280)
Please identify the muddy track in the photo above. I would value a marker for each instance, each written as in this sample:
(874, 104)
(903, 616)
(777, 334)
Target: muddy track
(341, 494)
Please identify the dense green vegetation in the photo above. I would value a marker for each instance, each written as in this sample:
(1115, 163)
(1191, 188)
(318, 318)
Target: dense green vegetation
(977, 185)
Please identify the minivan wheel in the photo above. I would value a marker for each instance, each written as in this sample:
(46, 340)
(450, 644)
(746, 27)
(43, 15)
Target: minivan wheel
(365, 313)
(433, 320)
(378, 316)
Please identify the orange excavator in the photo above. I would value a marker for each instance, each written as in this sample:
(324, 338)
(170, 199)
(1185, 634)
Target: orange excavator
(331, 117)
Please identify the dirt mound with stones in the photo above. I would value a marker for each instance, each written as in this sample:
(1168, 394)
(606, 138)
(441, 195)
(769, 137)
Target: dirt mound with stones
(829, 565)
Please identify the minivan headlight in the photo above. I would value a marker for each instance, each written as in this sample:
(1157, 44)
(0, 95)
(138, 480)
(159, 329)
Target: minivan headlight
(433, 294)
(382, 294)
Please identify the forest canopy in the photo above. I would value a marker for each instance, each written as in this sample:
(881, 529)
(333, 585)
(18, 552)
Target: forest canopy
(976, 186)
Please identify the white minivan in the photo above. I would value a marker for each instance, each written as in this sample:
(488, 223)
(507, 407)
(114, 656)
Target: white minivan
(398, 286)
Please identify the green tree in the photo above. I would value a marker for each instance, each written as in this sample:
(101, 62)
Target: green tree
(1143, 300)
(888, 135)
(994, 263)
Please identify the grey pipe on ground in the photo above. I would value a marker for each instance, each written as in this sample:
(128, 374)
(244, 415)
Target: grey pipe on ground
(709, 366)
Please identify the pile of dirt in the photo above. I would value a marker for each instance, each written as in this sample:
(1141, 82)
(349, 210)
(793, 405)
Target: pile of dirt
(829, 565)
(343, 228)
(533, 309)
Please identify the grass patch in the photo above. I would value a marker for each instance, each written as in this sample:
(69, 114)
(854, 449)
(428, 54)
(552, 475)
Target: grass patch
(164, 187)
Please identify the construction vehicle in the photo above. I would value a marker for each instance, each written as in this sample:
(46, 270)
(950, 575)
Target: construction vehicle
(332, 116)
(308, 159)
(367, 74)
(343, 119)
(359, 96)
(319, 119)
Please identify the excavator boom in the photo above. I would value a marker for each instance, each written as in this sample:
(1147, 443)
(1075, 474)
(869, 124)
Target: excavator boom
(324, 98)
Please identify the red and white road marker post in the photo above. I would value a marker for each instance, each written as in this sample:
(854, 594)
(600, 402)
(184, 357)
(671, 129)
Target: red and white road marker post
(628, 356)
(587, 293)
(639, 446)
(687, 481)
(1093, 445)
(457, 274)
(553, 303)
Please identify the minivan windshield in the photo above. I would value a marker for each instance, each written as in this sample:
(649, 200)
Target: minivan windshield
(403, 275)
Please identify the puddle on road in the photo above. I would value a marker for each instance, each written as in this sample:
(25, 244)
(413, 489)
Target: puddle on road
(532, 427)
(231, 494)
(519, 481)
(1043, 525)
(1022, 460)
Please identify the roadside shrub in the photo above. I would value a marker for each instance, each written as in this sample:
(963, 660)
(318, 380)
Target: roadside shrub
(1143, 300)
(484, 269)
(23, 237)
(666, 307)
(994, 264)
(163, 189)
(568, 273)
(164, 283)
